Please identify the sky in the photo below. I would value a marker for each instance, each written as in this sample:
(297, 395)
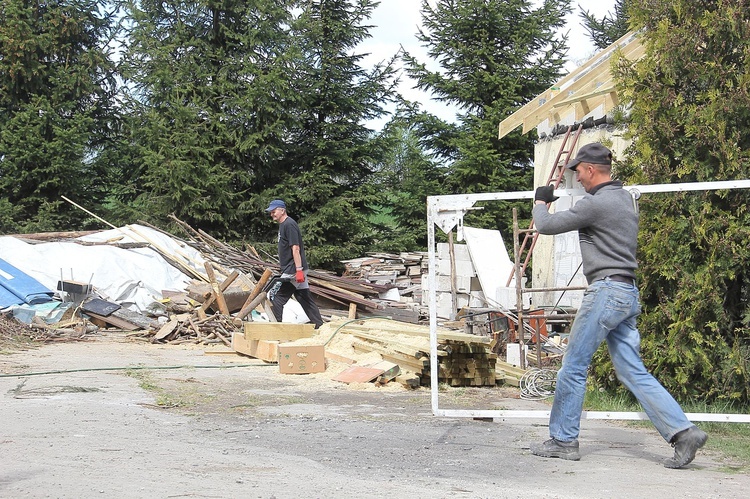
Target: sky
(396, 23)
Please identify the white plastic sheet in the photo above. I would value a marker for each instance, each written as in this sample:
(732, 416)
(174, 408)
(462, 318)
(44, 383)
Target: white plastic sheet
(133, 278)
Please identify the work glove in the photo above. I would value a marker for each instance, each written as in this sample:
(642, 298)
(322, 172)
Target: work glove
(299, 276)
(546, 194)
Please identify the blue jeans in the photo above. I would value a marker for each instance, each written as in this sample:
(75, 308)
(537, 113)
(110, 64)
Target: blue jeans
(608, 312)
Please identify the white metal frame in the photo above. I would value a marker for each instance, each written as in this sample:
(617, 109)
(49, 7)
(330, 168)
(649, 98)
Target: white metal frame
(447, 213)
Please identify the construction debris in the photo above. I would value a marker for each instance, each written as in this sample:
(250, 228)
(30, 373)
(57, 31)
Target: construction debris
(383, 338)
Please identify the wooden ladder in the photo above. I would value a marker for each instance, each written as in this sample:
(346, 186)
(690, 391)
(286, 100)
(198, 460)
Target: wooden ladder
(554, 179)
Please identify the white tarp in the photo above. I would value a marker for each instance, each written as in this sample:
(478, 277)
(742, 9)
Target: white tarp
(133, 278)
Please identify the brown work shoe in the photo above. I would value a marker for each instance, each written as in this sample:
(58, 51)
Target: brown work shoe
(686, 443)
(556, 448)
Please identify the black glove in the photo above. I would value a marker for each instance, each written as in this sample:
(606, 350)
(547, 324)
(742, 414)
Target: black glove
(546, 194)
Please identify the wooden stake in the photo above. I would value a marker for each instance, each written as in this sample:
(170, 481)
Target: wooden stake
(219, 296)
(248, 306)
(223, 287)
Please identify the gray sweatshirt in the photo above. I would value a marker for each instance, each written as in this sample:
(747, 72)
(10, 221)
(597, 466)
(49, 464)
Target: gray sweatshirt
(607, 226)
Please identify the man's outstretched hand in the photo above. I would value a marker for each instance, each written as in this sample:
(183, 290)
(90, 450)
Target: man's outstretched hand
(546, 194)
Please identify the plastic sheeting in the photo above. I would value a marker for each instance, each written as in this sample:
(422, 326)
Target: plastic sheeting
(133, 278)
(20, 287)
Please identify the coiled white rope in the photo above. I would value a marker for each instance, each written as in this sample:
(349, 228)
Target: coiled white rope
(537, 384)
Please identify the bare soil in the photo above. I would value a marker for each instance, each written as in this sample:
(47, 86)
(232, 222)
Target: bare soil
(136, 420)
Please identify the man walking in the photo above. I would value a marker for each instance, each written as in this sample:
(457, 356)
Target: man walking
(607, 225)
(293, 266)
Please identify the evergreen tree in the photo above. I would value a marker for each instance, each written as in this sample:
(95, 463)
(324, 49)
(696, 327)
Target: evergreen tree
(211, 106)
(494, 56)
(57, 117)
(406, 178)
(610, 28)
(325, 171)
(690, 101)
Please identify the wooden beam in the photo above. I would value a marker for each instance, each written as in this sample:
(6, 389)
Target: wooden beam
(223, 287)
(218, 295)
(248, 306)
(542, 112)
(543, 104)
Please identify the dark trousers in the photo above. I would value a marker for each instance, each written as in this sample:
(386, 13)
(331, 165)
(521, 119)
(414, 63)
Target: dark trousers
(303, 296)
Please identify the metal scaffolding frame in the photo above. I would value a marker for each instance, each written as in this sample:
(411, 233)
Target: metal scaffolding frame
(447, 212)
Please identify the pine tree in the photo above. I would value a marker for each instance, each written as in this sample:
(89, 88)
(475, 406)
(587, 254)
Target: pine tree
(494, 56)
(211, 106)
(605, 31)
(690, 112)
(406, 178)
(324, 173)
(57, 114)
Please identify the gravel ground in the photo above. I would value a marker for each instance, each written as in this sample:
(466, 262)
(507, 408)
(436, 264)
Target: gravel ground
(225, 426)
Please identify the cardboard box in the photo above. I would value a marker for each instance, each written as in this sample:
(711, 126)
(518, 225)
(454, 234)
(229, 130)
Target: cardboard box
(301, 359)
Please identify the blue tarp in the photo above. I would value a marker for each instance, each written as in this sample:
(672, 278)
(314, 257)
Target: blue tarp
(17, 287)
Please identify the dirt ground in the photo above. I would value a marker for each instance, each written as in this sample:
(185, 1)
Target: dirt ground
(181, 422)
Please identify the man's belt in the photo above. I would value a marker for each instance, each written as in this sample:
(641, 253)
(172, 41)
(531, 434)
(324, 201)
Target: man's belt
(622, 278)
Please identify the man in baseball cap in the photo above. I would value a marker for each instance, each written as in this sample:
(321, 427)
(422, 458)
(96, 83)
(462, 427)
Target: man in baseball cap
(293, 266)
(276, 203)
(607, 223)
(595, 154)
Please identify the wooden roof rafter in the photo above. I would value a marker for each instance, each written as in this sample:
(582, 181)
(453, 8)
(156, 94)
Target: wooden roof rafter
(583, 89)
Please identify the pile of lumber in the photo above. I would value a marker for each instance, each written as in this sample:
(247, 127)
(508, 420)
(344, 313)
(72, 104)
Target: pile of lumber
(463, 359)
(401, 272)
(341, 292)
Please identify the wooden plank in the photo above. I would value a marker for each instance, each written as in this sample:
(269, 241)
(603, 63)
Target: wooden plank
(278, 331)
(248, 307)
(358, 374)
(166, 329)
(390, 370)
(339, 358)
(263, 350)
(409, 329)
(125, 319)
(218, 294)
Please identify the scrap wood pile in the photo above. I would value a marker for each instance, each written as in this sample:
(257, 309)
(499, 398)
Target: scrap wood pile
(232, 289)
(403, 271)
(16, 333)
(463, 359)
(185, 328)
(342, 291)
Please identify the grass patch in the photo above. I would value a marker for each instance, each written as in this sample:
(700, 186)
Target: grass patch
(164, 398)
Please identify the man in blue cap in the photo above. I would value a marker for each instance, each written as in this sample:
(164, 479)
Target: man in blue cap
(293, 266)
(607, 223)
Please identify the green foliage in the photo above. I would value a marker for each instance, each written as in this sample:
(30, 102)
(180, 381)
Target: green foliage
(57, 84)
(607, 30)
(406, 178)
(494, 57)
(324, 172)
(690, 99)
(210, 106)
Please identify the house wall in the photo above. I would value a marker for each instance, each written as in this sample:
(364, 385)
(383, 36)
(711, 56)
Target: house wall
(556, 259)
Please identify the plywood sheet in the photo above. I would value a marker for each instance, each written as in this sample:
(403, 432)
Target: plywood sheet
(358, 374)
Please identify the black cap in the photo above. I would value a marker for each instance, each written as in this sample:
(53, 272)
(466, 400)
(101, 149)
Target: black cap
(591, 153)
